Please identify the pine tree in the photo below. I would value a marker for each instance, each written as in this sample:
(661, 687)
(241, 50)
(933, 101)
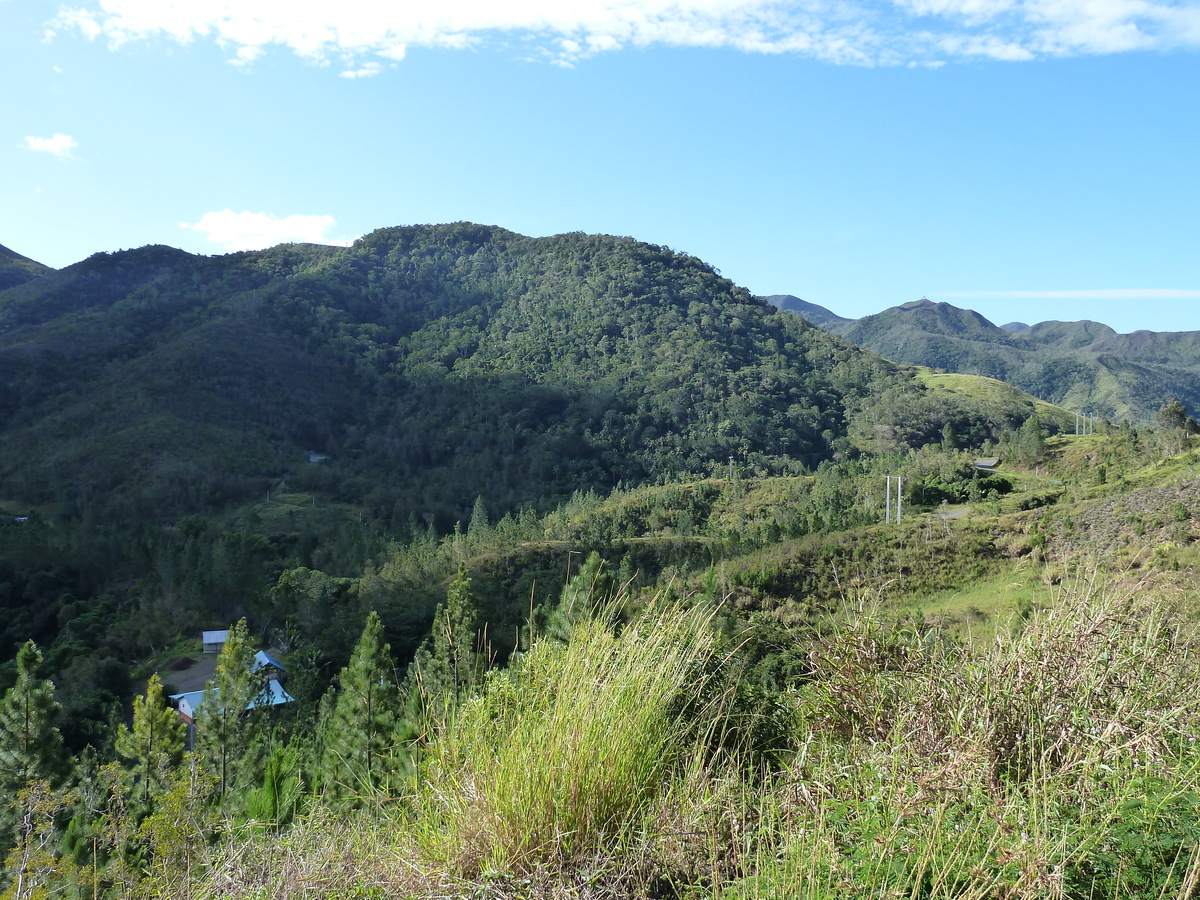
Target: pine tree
(154, 742)
(592, 587)
(30, 745)
(479, 520)
(224, 729)
(361, 729)
(1029, 443)
(450, 661)
(949, 438)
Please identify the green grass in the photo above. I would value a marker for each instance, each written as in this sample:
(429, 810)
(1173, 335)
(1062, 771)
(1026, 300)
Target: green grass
(562, 760)
(979, 611)
(991, 392)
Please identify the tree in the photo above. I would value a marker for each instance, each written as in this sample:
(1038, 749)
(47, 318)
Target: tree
(30, 744)
(154, 741)
(1028, 444)
(949, 440)
(224, 729)
(1173, 416)
(360, 731)
(1176, 425)
(592, 587)
(479, 520)
(450, 661)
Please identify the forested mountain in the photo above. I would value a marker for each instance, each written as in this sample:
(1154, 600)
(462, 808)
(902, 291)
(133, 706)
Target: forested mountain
(1085, 366)
(430, 365)
(17, 269)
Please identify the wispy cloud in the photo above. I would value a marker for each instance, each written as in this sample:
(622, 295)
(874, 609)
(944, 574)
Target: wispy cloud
(1082, 294)
(256, 231)
(364, 36)
(60, 145)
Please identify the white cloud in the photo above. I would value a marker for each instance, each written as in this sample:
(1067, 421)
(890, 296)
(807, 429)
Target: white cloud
(369, 70)
(362, 35)
(256, 231)
(1083, 294)
(59, 145)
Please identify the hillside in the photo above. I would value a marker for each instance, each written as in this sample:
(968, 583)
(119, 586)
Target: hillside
(178, 431)
(760, 659)
(16, 269)
(660, 674)
(428, 365)
(818, 315)
(1084, 366)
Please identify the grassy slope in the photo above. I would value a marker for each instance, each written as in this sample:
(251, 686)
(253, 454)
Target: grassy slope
(1059, 760)
(993, 392)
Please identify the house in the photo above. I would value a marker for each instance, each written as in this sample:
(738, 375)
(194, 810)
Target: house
(188, 703)
(987, 465)
(214, 641)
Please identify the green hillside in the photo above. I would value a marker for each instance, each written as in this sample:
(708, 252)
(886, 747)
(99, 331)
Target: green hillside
(16, 269)
(759, 658)
(990, 393)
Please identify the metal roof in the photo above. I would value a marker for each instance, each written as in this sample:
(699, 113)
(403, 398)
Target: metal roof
(275, 696)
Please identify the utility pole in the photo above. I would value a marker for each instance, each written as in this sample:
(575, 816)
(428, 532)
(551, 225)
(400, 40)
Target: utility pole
(731, 468)
(887, 503)
(899, 498)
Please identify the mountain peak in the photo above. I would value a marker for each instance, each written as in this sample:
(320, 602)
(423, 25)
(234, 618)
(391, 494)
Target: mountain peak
(817, 315)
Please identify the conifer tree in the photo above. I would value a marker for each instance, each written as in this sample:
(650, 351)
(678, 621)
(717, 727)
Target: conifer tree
(360, 730)
(154, 742)
(479, 519)
(450, 661)
(30, 744)
(592, 587)
(224, 729)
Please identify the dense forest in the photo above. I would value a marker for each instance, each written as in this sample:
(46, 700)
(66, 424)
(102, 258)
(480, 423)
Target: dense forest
(178, 431)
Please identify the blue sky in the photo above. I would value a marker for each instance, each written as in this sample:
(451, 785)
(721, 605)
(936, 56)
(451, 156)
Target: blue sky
(1030, 159)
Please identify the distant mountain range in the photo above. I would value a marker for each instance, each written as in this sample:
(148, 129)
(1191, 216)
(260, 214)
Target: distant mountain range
(1084, 366)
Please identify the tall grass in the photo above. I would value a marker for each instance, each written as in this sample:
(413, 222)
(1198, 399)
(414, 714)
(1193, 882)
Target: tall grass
(1061, 762)
(562, 761)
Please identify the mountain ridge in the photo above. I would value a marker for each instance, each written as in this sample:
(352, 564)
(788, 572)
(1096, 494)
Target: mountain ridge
(1084, 363)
